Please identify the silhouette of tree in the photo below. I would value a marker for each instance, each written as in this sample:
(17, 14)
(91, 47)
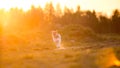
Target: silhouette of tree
(67, 17)
(77, 16)
(116, 21)
(50, 12)
(49, 15)
(104, 24)
(49, 18)
(58, 10)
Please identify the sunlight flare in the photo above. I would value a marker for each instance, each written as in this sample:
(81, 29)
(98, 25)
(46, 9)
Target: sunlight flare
(99, 6)
(25, 5)
(117, 62)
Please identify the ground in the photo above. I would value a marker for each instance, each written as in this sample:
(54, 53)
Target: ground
(86, 55)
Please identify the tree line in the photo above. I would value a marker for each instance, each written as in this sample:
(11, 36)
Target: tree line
(51, 17)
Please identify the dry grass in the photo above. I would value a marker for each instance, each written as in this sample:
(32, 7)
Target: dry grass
(77, 54)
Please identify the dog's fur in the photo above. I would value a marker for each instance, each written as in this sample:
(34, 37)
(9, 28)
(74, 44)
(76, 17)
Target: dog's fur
(56, 38)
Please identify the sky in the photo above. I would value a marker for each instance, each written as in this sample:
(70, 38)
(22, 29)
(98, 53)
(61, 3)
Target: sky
(104, 6)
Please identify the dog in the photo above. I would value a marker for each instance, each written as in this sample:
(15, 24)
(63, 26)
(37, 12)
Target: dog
(56, 38)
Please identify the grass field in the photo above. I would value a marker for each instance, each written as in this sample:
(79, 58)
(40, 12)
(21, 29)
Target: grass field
(83, 49)
(88, 54)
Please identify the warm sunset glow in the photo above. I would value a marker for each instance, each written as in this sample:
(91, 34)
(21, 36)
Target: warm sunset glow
(109, 59)
(117, 63)
(113, 60)
(25, 5)
(105, 6)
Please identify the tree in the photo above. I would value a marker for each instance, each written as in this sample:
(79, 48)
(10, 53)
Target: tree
(116, 21)
(49, 11)
(58, 10)
(116, 16)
